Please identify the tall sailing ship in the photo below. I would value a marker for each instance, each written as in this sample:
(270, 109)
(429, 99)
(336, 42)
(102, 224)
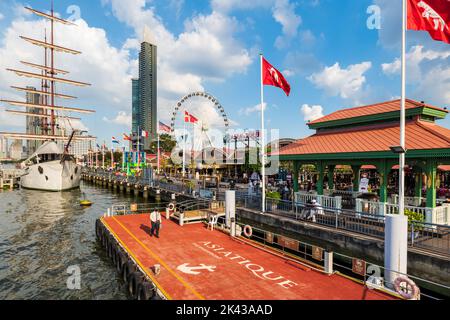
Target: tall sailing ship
(51, 167)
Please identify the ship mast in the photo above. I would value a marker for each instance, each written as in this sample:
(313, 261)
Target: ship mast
(52, 73)
(48, 79)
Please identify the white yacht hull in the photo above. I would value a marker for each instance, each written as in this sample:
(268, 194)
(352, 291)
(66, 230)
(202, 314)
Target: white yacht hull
(52, 176)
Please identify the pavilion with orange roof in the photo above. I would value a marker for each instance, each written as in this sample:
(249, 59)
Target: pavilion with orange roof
(363, 136)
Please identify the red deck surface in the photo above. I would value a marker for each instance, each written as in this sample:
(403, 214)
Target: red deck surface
(232, 278)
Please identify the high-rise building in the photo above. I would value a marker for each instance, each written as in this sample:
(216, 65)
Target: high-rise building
(33, 124)
(135, 105)
(3, 148)
(144, 108)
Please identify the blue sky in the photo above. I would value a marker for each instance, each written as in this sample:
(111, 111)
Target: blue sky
(324, 47)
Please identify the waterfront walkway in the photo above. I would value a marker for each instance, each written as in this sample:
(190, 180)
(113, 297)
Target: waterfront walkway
(197, 263)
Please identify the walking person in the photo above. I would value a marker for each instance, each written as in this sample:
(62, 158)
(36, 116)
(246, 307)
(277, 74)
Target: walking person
(155, 219)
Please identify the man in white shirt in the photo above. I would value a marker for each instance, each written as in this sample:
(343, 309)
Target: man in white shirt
(155, 219)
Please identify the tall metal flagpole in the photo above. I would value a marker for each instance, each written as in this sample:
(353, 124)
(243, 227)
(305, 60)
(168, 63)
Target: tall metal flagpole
(263, 153)
(401, 182)
(157, 134)
(184, 143)
(138, 149)
(103, 155)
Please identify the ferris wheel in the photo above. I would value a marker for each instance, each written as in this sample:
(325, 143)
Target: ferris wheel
(190, 100)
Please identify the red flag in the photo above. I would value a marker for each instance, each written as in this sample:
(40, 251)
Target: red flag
(432, 16)
(164, 127)
(189, 117)
(126, 137)
(273, 77)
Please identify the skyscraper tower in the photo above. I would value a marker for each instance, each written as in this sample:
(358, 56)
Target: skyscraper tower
(147, 91)
(144, 95)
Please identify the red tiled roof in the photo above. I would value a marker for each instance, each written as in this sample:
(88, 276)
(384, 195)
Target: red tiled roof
(419, 136)
(383, 107)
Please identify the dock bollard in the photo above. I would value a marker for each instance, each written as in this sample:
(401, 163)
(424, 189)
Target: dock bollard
(328, 262)
(233, 227)
(181, 218)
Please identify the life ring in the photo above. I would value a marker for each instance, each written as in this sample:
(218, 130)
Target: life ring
(134, 281)
(146, 291)
(171, 206)
(248, 231)
(409, 291)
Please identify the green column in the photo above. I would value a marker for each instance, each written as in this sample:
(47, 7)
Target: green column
(419, 181)
(295, 175)
(331, 176)
(431, 169)
(319, 185)
(383, 171)
(356, 172)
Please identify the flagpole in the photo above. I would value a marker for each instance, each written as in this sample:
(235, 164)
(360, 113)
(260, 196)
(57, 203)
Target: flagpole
(138, 149)
(157, 134)
(263, 153)
(401, 184)
(103, 155)
(123, 157)
(184, 142)
(96, 157)
(112, 155)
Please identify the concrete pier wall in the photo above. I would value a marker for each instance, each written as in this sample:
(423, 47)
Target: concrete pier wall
(426, 266)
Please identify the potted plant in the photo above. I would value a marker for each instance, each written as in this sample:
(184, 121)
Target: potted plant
(274, 197)
(418, 220)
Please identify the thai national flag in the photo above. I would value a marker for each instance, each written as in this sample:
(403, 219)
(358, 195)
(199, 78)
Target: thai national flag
(114, 140)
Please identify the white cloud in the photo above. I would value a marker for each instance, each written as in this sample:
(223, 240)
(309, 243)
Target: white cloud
(1, 16)
(284, 13)
(226, 6)
(435, 86)
(184, 61)
(248, 111)
(428, 71)
(414, 58)
(392, 68)
(110, 78)
(311, 113)
(177, 5)
(122, 118)
(344, 82)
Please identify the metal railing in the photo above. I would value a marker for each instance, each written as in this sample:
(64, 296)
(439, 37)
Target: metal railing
(428, 236)
(370, 274)
(135, 208)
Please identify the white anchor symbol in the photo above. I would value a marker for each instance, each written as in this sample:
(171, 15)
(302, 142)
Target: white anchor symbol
(189, 270)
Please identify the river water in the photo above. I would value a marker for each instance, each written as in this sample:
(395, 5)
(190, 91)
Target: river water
(42, 234)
